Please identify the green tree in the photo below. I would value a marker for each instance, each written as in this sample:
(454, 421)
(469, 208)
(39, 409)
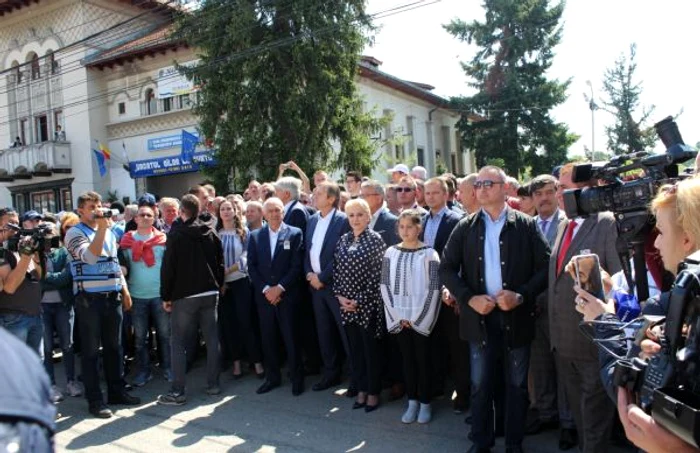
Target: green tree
(277, 82)
(626, 135)
(509, 116)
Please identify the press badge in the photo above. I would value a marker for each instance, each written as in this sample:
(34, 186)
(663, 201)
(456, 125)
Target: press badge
(287, 245)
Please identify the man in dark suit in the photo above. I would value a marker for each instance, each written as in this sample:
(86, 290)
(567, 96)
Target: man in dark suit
(448, 349)
(576, 355)
(275, 263)
(495, 264)
(382, 221)
(322, 234)
(288, 189)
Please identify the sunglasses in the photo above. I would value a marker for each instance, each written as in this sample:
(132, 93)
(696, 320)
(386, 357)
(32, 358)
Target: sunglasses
(404, 189)
(143, 214)
(486, 184)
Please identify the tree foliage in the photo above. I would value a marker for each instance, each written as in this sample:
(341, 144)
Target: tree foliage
(509, 116)
(277, 82)
(626, 135)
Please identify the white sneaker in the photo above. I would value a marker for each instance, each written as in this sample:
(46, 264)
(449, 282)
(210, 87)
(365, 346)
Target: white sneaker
(56, 394)
(411, 412)
(425, 414)
(74, 388)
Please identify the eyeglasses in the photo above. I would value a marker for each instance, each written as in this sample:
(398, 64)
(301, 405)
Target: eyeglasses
(404, 189)
(146, 215)
(486, 184)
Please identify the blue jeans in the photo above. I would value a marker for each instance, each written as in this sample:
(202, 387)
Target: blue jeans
(28, 328)
(516, 363)
(59, 317)
(141, 310)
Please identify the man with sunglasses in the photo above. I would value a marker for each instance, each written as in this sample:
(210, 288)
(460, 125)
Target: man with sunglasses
(406, 193)
(495, 264)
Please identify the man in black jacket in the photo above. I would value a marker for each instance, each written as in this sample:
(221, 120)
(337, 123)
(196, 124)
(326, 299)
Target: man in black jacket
(495, 264)
(191, 277)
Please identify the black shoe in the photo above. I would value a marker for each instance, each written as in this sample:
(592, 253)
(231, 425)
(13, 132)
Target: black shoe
(518, 449)
(100, 410)
(325, 384)
(476, 449)
(124, 399)
(369, 408)
(568, 439)
(298, 387)
(358, 405)
(351, 392)
(266, 387)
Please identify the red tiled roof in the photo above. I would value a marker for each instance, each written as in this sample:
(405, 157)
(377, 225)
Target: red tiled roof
(159, 40)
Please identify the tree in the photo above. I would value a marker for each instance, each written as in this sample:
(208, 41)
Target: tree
(509, 116)
(277, 82)
(626, 135)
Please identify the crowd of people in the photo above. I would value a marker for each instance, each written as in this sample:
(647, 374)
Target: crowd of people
(425, 286)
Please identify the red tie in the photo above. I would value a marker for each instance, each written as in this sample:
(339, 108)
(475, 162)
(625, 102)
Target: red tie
(565, 246)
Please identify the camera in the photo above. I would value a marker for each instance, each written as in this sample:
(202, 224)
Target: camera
(668, 385)
(41, 238)
(102, 213)
(621, 196)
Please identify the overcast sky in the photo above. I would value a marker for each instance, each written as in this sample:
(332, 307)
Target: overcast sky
(414, 46)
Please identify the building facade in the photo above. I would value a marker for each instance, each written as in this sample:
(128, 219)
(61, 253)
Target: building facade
(104, 71)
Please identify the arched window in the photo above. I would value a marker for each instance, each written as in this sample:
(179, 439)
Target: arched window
(36, 67)
(51, 63)
(150, 102)
(17, 71)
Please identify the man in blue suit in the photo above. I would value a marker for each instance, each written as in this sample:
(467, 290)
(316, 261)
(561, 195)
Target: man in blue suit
(448, 349)
(322, 234)
(288, 189)
(275, 263)
(382, 221)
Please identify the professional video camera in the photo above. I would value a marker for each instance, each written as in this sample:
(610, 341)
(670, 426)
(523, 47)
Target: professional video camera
(105, 213)
(41, 238)
(668, 386)
(629, 200)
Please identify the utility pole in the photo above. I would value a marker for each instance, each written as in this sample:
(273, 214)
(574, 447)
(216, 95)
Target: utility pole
(593, 106)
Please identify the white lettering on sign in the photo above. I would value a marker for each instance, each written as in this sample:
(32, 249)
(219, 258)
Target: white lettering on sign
(153, 165)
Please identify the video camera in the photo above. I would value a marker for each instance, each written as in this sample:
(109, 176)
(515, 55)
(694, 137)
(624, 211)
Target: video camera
(668, 386)
(41, 238)
(101, 213)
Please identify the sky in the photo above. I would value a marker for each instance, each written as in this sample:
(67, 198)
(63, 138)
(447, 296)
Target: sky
(413, 45)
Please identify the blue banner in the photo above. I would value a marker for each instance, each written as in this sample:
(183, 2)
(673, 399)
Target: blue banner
(170, 165)
(166, 142)
(189, 144)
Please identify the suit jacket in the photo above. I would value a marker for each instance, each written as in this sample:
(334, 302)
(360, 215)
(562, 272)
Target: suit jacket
(285, 268)
(524, 258)
(386, 227)
(448, 222)
(553, 227)
(338, 226)
(297, 216)
(597, 234)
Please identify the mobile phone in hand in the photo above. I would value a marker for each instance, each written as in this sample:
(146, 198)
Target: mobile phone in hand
(588, 276)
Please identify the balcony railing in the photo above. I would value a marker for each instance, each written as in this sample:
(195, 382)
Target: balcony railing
(36, 160)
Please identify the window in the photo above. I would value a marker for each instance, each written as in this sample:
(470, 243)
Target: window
(421, 156)
(398, 151)
(151, 105)
(58, 118)
(184, 101)
(66, 199)
(44, 201)
(36, 68)
(24, 130)
(51, 62)
(167, 104)
(42, 128)
(122, 108)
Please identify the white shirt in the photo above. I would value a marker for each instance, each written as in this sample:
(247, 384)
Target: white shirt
(579, 221)
(318, 239)
(273, 239)
(288, 206)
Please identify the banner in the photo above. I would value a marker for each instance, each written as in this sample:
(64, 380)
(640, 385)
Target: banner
(170, 165)
(172, 83)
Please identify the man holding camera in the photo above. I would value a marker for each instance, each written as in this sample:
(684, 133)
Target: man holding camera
(101, 295)
(20, 288)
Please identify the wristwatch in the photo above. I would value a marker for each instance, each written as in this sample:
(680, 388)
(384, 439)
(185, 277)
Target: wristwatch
(519, 297)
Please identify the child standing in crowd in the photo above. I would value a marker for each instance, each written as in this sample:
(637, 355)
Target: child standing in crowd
(410, 288)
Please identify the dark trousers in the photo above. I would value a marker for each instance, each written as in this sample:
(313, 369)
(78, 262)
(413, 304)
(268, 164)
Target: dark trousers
(458, 353)
(284, 319)
(100, 323)
(594, 414)
(141, 311)
(59, 317)
(185, 317)
(331, 335)
(415, 351)
(236, 327)
(515, 363)
(364, 355)
(308, 336)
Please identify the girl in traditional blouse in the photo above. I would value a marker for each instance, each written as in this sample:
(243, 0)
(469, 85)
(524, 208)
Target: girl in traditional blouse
(235, 317)
(410, 288)
(356, 271)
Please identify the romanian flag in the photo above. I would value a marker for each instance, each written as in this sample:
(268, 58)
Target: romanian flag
(105, 151)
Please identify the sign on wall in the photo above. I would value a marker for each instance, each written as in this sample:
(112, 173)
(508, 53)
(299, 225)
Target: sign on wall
(172, 83)
(170, 165)
(166, 142)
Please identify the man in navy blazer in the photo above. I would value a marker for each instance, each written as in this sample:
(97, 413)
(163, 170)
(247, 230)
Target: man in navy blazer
(447, 348)
(288, 189)
(382, 221)
(275, 263)
(322, 234)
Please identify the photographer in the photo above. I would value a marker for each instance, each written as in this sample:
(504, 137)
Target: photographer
(20, 290)
(101, 293)
(678, 224)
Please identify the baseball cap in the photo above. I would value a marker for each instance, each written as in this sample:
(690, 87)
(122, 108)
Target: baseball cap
(401, 168)
(32, 215)
(147, 199)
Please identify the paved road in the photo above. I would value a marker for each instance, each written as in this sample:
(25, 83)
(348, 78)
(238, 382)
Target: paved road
(238, 420)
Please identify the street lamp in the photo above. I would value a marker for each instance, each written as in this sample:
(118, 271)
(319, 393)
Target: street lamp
(593, 106)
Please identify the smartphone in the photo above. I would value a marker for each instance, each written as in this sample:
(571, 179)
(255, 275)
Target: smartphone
(588, 275)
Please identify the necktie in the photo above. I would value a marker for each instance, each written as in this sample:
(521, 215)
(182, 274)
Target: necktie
(543, 226)
(565, 245)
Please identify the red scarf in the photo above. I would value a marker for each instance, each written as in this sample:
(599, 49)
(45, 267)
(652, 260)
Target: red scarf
(143, 249)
